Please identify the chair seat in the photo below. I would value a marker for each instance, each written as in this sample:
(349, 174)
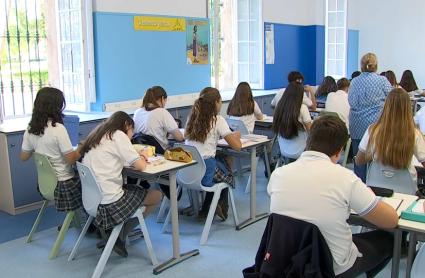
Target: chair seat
(215, 187)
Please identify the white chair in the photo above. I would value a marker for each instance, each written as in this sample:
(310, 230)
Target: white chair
(293, 148)
(190, 178)
(91, 199)
(398, 180)
(418, 268)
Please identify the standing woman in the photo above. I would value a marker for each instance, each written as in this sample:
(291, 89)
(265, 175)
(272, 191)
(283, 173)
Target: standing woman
(366, 97)
(243, 107)
(203, 130)
(390, 148)
(408, 83)
(47, 135)
(292, 121)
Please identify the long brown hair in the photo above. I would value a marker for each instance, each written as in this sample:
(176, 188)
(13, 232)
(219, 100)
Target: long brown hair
(203, 116)
(242, 102)
(390, 75)
(152, 96)
(285, 119)
(117, 121)
(408, 81)
(392, 137)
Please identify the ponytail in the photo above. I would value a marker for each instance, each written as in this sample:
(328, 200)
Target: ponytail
(152, 96)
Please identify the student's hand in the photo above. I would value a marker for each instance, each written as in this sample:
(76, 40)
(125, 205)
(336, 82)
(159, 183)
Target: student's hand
(308, 89)
(237, 134)
(144, 154)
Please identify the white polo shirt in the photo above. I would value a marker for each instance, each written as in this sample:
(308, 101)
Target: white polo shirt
(418, 153)
(316, 190)
(292, 148)
(338, 102)
(249, 120)
(157, 123)
(219, 130)
(54, 144)
(107, 160)
(306, 100)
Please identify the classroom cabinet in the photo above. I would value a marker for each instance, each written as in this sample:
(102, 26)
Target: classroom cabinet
(86, 128)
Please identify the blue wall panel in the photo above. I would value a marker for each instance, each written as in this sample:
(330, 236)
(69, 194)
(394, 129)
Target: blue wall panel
(128, 61)
(352, 51)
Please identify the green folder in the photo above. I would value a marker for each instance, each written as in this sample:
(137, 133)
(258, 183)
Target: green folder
(408, 214)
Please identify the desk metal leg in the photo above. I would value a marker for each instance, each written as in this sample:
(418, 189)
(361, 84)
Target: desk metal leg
(267, 162)
(253, 194)
(411, 253)
(177, 257)
(396, 253)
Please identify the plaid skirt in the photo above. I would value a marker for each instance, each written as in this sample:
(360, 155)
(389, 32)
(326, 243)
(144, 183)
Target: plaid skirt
(223, 171)
(68, 195)
(110, 215)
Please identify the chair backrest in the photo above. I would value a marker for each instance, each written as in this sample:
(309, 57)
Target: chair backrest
(46, 176)
(293, 148)
(398, 180)
(91, 193)
(140, 138)
(418, 268)
(237, 125)
(191, 177)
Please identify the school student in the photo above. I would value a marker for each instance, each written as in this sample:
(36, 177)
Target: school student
(106, 151)
(317, 190)
(292, 121)
(327, 86)
(390, 75)
(203, 130)
(338, 101)
(243, 107)
(408, 83)
(153, 119)
(393, 140)
(309, 98)
(47, 135)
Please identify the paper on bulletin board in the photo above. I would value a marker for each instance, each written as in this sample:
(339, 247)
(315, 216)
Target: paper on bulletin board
(197, 41)
(156, 23)
(270, 44)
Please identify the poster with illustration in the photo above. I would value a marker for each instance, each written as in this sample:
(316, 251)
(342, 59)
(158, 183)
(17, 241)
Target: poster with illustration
(197, 41)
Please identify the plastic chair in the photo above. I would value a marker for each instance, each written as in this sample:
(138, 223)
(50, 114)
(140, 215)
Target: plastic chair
(398, 180)
(293, 148)
(418, 268)
(346, 152)
(47, 182)
(237, 125)
(91, 199)
(191, 177)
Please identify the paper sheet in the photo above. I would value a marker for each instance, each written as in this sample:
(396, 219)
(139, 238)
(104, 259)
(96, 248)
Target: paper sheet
(270, 44)
(419, 207)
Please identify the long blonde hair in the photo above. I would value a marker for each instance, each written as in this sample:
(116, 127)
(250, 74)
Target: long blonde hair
(392, 137)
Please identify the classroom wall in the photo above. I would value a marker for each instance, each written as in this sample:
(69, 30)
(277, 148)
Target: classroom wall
(300, 12)
(393, 30)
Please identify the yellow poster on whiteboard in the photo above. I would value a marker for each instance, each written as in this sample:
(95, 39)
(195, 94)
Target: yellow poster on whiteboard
(155, 23)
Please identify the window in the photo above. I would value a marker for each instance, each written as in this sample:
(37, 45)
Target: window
(42, 43)
(336, 38)
(236, 30)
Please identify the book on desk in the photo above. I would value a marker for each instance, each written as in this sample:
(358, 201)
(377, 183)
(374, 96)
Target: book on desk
(415, 212)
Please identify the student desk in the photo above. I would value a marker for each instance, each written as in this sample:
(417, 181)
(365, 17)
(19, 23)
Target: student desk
(155, 173)
(251, 148)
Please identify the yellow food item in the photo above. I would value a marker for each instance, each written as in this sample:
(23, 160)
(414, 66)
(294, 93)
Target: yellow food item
(140, 147)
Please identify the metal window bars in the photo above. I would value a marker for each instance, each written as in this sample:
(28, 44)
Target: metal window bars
(23, 54)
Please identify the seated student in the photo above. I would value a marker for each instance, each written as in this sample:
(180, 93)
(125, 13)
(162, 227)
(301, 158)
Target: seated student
(47, 135)
(106, 151)
(393, 139)
(390, 75)
(325, 196)
(408, 83)
(420, 119)
(243, 107)
(338, 101)
(292, 121)
(153, 119)
(327, 86)
(204, 128)
(308, 98)
(355, 74)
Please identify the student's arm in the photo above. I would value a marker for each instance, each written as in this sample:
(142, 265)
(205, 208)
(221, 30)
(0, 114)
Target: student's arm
(307, 126)
(71, 157)
(257, 111)
(305, 117)
(383, 216)
(234, 140)
(312, 96)
(127, 151)
(367, 205)
(177, 135)
(140, 164)
(26, 148)
(361, 158)
(25, 155)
